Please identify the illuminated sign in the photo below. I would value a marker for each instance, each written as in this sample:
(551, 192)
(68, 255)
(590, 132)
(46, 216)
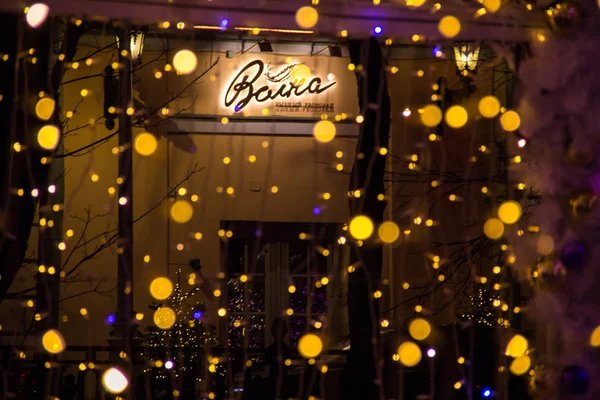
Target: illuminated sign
(282, 85)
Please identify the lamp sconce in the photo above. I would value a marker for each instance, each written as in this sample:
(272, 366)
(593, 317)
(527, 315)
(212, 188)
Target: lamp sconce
(137, 38)
(466, 55)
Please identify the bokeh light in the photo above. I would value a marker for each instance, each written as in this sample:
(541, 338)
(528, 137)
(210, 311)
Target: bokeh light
(595, 337)
(114, 380)
(493, 228)
(145, 144)
(53, 342)
(161, 288)
(361, 227)
(310, 345)
(456, 117)
(510, 121)
(431, 116)
(517, 346)
(307, 17)
(520, 365)
(410, 354)
(509, 212)
(185, 62)
(489, 106)
(300, 72)
(44, 108)
(388, 232)
(419, 329)
(324, 131)
(182, 211)
(37, 14)
(48, 137)
(449, 26)
(164, 317)
(492, 5)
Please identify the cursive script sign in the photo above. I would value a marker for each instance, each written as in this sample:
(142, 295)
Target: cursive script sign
(242, 89)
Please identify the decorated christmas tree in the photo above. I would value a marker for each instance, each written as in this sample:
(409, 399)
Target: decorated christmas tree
(189, 332)
(481, 311)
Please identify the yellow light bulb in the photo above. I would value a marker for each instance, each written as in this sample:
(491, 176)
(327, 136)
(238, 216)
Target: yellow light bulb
(431, 116)
(145, 144)
(185, 62)
(48, 137)
(388, 232)
(517, 346)
(164, 317)
(324, 131)
(182, 211)
(53, 342)
(510, 121)
(456, 117)
(449, 26)
(114, 381)
(361, 227)
(410, 354)
(419, 329)
(509, 212)
(493, 228)
(161, 288)
(310, 345)
(307, 17)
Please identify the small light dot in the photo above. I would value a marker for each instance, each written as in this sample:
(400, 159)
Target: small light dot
(123, 201)
(226, 160)
(274, 189)
(252, 158)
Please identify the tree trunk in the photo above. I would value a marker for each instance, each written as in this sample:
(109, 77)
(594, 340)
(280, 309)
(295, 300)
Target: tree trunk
(364, 361)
